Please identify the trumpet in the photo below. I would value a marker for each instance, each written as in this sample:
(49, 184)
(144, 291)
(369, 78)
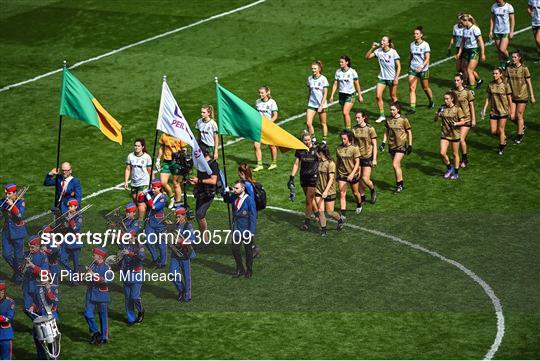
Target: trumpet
(67, 216)
(20, 194)
(181, 250)
(115, 219)
(115, 259)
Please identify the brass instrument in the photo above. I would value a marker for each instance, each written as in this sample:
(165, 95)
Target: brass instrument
(181, 250)
(60, 221)
(115, 219)
(20, 194)
(115, 259)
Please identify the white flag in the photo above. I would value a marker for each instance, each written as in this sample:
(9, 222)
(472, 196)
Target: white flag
(172, 121)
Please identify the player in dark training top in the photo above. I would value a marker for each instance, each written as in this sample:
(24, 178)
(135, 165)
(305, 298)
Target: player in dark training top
(308, 163)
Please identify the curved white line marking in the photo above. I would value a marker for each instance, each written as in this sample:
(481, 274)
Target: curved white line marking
(140, 42)
(487, 288)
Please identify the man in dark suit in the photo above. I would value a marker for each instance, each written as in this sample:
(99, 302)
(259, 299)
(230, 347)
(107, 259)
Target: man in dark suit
(67, 186)
(243, 228)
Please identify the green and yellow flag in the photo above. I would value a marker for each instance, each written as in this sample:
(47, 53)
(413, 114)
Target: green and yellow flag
(238, 118)
(77, 102)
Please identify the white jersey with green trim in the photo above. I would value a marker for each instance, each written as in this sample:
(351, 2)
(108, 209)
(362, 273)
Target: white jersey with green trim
(535, 6)
(418, 53)
(207, 130)
(346, 80)
(457, 33)
(502, 17)
(266, 108)
(316, 90)
(139, 169)
(470, 36)
(387, 63)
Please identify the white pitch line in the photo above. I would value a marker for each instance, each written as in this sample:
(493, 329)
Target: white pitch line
(119, 186)
(438, 62)
(485, 286)
(129, 46)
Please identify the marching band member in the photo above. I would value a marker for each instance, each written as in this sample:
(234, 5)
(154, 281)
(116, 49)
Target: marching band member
(35, 262)
(244, 220)
(7, 312)
(132, 267)
(13, 230)
(53, 258)
(71, 250)
(155, 214)
(131, 224)
(182, 255)
(97, 295)
(67, 186)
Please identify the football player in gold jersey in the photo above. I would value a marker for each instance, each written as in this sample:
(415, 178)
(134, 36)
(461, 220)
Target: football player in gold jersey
(465, 100)
(398, 134)
(499, 95)
(452, 119)
(519, 78)
(325, 192)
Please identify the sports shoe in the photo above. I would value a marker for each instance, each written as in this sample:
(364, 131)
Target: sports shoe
(380, 119)
(431, 104)
(314, 141)
(256, 251)
(464, 164)
(373, 196)
(340, 224)
(272, 166)
(479, 83)
(304, 227)
(519, 139)
(323, 233)
(454, 176)
(448, 173)
(499, 151)
(399, 189)
(171, 203)
(258, 168)
(359, 209)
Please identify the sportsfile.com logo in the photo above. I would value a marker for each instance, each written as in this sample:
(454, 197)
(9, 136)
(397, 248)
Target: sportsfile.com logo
(116, 237)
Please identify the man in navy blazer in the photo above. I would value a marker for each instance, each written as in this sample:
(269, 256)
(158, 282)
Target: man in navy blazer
(243, 228)
(67, 186)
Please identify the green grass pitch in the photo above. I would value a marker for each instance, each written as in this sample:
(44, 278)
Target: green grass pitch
(353, 295)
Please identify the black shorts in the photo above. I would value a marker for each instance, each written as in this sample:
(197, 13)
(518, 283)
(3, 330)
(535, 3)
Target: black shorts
(328, 198)
(366, 162)
(451, 140)
(201, 206)
(520, 101)
(396, 150)
(308, 183)
(344, 179)
(497, 117)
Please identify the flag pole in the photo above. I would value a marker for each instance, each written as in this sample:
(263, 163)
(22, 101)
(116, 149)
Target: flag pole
(155, 145)
(57, 177)
(223, 158)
